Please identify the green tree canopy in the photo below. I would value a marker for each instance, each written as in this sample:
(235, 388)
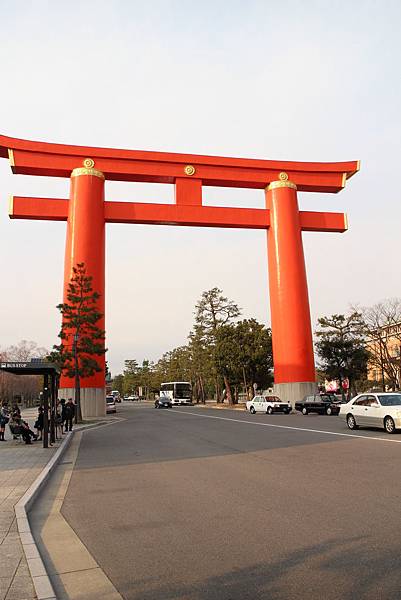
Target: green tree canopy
(212, 311)
(341, 347)
(244, 353)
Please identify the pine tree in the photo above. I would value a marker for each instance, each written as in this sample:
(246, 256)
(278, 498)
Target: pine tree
(341, 348)
(244, 354)
(81, 339)
(212, 312)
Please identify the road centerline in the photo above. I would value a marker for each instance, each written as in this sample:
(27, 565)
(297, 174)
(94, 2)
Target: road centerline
(352, 435)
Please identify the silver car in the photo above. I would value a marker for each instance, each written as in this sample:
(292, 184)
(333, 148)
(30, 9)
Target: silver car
(110, 405)
(373, 410)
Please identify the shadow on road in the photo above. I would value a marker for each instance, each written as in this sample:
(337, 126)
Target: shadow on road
(348, 569)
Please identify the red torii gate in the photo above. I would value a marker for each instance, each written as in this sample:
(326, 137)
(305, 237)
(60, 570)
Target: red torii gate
(86, 213)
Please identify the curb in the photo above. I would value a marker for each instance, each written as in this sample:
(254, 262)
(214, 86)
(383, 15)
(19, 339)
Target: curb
(40, 578)
(41, 581)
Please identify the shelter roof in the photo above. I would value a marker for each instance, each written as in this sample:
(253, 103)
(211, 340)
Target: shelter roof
(31, 367)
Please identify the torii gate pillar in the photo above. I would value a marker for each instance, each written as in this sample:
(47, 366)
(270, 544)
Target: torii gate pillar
(294, 367)
(85, 243)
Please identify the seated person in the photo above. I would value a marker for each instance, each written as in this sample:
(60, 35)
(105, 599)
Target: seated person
(16, 411)
(21, 427)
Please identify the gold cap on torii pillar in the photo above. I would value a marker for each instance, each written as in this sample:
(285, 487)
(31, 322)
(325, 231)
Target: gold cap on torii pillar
(87, 169)
(283, 181)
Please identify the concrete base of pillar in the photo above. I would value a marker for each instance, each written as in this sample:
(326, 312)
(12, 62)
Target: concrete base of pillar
(291, 392)
(93, 400)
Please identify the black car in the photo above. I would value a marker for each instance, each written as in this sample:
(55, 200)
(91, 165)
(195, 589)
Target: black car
(163, 402)
(322, 404)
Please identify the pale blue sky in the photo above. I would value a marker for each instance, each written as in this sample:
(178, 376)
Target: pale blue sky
(280, 80)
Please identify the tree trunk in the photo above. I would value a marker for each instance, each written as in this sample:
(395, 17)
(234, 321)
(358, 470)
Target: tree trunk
(202, 390)
(245, 384)
(78, 410)
(228, 390)
(236, 394)
(342, 389)
(217, 387)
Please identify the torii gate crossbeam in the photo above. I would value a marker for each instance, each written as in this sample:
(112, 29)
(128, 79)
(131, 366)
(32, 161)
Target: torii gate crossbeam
(86, 213)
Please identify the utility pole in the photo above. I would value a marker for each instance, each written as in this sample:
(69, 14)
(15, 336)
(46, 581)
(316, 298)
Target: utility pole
(78, 414)
(45, 411)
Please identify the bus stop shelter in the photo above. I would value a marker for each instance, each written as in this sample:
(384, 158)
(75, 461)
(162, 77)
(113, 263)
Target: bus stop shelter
(51, 376)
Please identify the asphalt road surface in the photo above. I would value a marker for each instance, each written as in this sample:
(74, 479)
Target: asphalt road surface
(193, 504)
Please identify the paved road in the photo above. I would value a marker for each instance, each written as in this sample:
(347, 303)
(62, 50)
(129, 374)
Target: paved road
(194, 504)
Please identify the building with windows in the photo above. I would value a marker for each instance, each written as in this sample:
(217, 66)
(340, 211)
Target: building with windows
(384, 367)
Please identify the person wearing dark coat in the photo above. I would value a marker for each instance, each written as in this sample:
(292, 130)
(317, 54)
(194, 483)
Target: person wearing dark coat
(4, 418)
(23, 429)
(69, 414)
(39, 422)
(62, 408)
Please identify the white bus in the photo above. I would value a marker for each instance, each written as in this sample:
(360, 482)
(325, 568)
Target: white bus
(179, 392)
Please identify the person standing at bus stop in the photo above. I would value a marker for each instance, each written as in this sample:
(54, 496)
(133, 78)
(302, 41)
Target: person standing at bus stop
(69, 414)
(4, 418)
(62, 408)
(39, 422)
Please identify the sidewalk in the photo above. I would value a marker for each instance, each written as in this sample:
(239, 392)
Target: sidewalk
(19, 466)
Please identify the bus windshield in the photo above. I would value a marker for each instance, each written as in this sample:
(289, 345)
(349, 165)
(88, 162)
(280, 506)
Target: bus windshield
(182, 390)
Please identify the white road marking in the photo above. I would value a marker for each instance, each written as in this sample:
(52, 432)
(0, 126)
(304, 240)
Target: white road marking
(100, 425)
(353, 435)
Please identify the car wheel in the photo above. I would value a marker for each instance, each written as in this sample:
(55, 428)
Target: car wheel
(304, 410)
(252, 410)
(351, 422)
(329, 411)
(269, 410)
(389, 425)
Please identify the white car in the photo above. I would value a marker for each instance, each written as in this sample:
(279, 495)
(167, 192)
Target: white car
(373, 410)
(268, 404)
